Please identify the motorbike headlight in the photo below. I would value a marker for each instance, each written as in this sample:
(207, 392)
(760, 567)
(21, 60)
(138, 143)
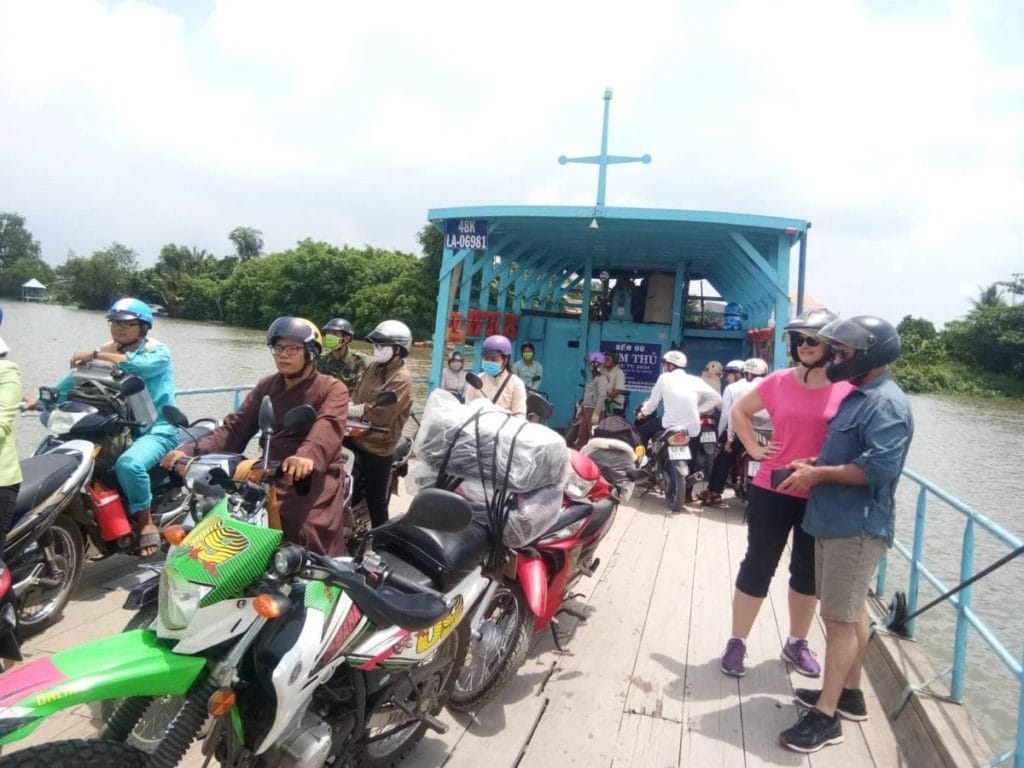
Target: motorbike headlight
(179, 598)
(62, 422)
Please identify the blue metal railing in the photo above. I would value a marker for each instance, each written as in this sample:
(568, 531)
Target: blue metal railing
(966, 619)
(236, 390)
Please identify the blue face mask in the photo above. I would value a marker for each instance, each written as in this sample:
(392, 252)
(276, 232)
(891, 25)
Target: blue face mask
(491, 368)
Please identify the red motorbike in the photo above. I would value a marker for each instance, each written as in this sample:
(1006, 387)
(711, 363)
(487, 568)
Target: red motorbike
(534, 583)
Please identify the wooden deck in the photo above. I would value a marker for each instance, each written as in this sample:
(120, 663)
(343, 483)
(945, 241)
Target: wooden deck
(640, 685)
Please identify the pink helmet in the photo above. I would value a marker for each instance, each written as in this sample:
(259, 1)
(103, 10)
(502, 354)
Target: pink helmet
(498, 344)
(595, 357)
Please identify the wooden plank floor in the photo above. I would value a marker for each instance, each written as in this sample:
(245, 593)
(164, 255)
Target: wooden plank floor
(640, 683)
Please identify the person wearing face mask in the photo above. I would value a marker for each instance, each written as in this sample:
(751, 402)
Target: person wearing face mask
(528, 369)
(595, 392)
(312, 520)
(374, 451)
(500, 385)
(453, 377)
(338, 360)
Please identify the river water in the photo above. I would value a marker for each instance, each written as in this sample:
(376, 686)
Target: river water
(969, 447)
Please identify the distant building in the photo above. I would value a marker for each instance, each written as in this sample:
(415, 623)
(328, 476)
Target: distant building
(33, 290)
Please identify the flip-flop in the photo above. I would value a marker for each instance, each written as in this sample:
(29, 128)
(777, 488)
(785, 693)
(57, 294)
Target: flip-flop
(150, 539)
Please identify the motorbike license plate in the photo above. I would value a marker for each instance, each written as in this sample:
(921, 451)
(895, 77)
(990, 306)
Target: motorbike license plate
(708, 437)
(752, 467)
(679, 453)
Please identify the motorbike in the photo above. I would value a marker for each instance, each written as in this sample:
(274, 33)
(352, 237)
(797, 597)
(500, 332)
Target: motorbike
(705, 458)
(668, 467)
(95, 423)
(281, 656)
(748, 468)
(532, 585)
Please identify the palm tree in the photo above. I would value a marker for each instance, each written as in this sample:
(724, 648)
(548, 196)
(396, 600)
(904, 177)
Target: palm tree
(248, 242)
(989, 297)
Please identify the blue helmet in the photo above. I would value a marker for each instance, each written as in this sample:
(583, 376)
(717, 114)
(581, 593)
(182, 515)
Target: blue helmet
(131, 309)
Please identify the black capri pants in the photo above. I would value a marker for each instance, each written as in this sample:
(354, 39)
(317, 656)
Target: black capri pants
(770, 518)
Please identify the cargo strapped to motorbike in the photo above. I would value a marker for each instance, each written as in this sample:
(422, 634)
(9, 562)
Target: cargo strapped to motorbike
(106, 399)
(512, 467)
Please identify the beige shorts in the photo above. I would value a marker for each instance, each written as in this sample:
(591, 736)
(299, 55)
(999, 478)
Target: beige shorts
(843, 569)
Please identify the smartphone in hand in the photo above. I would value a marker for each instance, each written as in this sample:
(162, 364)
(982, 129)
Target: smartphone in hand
(778, 475)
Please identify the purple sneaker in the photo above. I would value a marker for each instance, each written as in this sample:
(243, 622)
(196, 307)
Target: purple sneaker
(799, 654)
(732, 659)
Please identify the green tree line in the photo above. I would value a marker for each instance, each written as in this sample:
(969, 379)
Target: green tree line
(981, 353)
(314, 279)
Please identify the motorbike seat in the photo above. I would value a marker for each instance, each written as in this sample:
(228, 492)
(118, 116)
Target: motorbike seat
(402, 450)
(444, 558)
(41, 476)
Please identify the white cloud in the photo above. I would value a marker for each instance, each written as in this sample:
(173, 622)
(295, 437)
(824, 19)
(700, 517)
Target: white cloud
(899, 136)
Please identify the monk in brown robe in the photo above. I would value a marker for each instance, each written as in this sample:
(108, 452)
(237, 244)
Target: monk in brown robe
(313, 520)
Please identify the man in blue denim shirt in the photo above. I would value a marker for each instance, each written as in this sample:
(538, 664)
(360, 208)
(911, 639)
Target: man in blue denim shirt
(851, 514)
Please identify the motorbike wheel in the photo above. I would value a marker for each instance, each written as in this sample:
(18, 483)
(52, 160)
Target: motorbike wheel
(504, 640)
(162, 710)
(40, 605)
(387, 744)
(77, 753)
(675, 488)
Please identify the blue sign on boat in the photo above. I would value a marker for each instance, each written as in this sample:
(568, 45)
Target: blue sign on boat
(640, 362)
(466, 234)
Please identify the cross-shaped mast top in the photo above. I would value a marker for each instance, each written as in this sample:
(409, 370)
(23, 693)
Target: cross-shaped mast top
(604, 159)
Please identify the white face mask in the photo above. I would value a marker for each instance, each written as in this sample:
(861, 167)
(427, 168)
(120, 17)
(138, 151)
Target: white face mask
(382, 353)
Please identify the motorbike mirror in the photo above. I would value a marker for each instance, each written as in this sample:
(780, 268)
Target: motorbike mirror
(474, 381)
(174, 416)
(266, 418)
(438, 510)
(132, 385)
(387, 397)
(299, 419)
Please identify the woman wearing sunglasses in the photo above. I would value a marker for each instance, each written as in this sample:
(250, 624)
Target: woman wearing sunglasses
(800, 402)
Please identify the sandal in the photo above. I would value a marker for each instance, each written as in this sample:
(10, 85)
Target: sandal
(149, 540)
(711, 498)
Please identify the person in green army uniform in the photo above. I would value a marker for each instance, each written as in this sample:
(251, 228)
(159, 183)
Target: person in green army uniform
(337, 360)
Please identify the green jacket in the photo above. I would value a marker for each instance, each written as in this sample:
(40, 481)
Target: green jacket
(348, 369)
(10, 397)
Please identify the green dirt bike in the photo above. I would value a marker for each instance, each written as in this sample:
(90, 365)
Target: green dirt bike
(279, 656)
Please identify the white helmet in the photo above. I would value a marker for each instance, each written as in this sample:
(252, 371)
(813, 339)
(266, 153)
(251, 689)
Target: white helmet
(392, 332)
(755, 366)
(734, 366)
(675, 357)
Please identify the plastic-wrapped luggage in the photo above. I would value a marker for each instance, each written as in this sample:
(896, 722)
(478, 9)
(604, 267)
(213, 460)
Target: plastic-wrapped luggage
(614, 458)
(480, 441)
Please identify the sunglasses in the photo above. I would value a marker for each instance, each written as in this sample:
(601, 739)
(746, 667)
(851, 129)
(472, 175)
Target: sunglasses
(810, 341)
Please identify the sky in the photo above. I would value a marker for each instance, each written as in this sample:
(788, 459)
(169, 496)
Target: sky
(895, 128)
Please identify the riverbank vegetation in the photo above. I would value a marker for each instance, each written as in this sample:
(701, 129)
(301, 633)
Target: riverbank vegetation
(979, 354)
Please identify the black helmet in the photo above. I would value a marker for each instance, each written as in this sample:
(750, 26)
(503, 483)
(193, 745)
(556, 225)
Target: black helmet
(875, 343)
(300, 330)
(809, 323)
(339, 324)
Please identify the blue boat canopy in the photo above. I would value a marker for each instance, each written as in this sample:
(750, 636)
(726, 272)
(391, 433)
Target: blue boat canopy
(636, 281)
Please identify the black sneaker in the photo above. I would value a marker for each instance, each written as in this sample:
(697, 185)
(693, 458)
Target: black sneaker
(814, 731)
(851, 702)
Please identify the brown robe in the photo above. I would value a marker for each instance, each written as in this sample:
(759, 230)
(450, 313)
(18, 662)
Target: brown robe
(314, 520)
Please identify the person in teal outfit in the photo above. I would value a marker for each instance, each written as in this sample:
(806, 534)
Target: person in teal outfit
(135, 352)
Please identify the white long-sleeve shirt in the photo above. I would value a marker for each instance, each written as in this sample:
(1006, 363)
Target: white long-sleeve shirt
(686, 397)
(732, 395)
